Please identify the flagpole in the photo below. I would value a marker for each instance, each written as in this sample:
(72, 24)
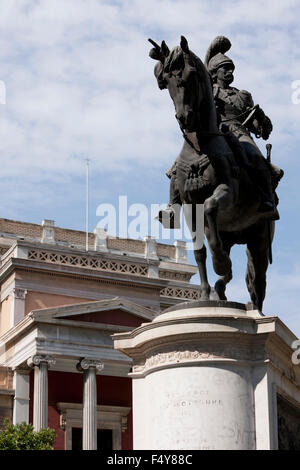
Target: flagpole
(87, 206)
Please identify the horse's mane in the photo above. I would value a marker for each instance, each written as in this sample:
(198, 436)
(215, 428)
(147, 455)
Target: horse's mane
(176, 60)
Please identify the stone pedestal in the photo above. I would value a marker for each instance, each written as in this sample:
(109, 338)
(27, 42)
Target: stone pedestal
(206, 375)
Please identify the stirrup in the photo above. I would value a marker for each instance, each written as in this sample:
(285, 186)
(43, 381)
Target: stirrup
(169, 218)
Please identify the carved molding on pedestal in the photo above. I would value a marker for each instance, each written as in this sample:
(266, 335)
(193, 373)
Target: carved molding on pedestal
(195, 353)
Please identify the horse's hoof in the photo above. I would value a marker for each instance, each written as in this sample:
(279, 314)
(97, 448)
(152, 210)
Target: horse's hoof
(205, 293)
(220, 288)
(222, 264)
(205, 296)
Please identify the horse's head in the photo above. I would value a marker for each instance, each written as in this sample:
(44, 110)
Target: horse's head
(184, 75)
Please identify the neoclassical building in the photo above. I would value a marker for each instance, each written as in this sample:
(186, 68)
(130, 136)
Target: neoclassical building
(60, 306)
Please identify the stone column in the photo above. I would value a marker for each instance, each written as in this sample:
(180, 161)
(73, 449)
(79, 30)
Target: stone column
(40, 397)
(21, 398)
(18, 296)
(89, 368)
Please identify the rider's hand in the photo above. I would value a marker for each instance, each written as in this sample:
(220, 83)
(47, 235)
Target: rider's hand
(266, 128)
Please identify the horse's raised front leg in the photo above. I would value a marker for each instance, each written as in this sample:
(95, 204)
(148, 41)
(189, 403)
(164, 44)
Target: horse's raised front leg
(220, 200)
(200, 252)
(258, 261)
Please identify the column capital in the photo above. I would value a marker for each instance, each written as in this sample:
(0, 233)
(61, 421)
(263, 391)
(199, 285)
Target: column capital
(86, 363)
(22, 369)
(19, 293)
(37, 360)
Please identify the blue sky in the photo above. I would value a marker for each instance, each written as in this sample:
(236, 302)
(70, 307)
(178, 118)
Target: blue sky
(80, 84)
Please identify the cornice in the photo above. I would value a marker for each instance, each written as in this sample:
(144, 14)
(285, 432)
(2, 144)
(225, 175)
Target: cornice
(80, 273)
(103, 277)
(17, 330)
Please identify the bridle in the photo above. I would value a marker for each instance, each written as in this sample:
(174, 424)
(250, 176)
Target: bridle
(249, 112)
(211, 135)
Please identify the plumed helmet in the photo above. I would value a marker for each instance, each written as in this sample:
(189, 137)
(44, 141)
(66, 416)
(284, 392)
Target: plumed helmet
(215, 56)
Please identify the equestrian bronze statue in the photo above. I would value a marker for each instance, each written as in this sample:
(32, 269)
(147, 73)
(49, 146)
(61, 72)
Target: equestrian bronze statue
(220, 166)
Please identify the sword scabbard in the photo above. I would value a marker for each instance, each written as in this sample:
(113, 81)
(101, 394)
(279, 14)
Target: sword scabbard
(269, 150)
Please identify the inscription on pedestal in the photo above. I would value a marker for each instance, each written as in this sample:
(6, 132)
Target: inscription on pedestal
(205, 410)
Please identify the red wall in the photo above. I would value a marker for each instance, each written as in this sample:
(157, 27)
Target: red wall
(110, 317)
(68, 388)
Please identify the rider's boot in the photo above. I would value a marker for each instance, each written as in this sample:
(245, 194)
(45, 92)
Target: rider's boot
(264, 184)
(170, 217)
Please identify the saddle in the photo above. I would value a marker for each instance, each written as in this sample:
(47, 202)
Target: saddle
(242, 161)
(198, 186)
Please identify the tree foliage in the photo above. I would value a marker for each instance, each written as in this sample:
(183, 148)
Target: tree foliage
(23, 437)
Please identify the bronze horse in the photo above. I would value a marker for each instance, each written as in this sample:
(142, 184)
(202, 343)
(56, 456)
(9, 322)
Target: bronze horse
(230, 198)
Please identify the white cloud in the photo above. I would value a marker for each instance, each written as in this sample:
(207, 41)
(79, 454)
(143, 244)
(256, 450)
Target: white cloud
(79, 79)
(79, 82)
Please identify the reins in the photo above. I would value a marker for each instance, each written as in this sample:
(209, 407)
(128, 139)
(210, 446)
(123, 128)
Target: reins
(218, 133)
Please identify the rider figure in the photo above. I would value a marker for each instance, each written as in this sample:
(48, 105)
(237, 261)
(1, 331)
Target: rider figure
(233, 108)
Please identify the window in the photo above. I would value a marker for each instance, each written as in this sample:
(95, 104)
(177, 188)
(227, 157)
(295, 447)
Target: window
(111, 423)
(104, 439)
